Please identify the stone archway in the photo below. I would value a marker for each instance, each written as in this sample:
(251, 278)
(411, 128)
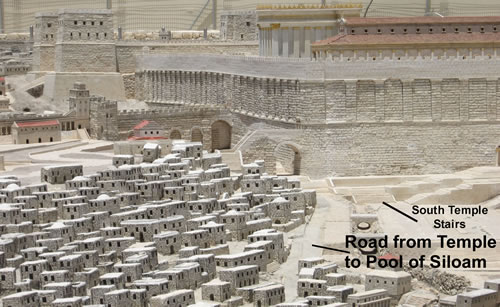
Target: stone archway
(288, 159)
(175, 135)
(196, 135)
(221, 135)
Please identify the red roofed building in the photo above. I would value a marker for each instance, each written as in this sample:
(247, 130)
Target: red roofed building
(371, 47)
(148, 130)
(2, 86)
(401, 38)
(36, 132)
(421, 25)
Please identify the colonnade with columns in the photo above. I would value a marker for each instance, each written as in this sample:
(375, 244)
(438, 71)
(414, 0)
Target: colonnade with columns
(292, 41)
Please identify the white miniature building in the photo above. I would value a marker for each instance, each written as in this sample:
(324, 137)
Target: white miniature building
(59, 174)
(477, 298)
(4, 103)
(151, 152)
(372, 298)
(396, 283)
(36, 132)
(148, 130)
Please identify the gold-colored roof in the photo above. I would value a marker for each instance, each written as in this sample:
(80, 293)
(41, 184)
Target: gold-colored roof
(308, 6)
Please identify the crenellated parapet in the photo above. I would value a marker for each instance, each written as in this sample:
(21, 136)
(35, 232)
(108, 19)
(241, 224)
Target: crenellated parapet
(325, 92)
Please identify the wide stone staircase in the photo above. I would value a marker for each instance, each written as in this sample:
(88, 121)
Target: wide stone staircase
(232, 157)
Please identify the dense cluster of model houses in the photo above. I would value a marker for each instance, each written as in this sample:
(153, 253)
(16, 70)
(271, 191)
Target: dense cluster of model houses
(147, 234)
(153, 233)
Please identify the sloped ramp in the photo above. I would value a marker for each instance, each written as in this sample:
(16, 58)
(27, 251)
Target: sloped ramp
(35, 87)
(83, 134)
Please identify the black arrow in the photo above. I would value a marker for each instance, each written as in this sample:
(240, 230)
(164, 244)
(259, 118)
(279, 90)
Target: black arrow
(401, 212)
(330, 248)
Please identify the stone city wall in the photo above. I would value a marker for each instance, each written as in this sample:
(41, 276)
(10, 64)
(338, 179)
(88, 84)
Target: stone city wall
(354, 149)
(129, 85)
(341, 126)
(409, 52)
(184, 120)
(343, 149)
(91, 57)
(176, 35)
(15, 44)
(300, 68)
(238, 25)
(305, 101)
(44, 58)
(127, 51)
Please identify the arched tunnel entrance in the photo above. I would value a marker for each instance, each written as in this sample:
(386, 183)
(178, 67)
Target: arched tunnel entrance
(288, 159)
(196, 135)
(175, 135)
(221, 135)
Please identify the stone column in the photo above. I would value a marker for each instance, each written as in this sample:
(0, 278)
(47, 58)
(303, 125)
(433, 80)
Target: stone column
(329, 32)
(275, 47)
(285, 37)
(261, 42)
(320, 34)
(266, 41)
(270, 42)
(296, 42)
(307, 43)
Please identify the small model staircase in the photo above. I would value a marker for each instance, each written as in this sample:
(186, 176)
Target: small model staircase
(83, 134)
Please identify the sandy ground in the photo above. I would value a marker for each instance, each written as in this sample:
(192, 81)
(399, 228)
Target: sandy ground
(27, 162)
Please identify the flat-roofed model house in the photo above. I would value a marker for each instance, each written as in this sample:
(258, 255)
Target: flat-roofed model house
(36, 132)
(148, 130)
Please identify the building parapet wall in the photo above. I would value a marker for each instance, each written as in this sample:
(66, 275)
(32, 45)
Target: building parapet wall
(300, 68)
(467, 92)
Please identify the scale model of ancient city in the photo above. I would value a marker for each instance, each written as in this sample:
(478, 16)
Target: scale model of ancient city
(297, 155)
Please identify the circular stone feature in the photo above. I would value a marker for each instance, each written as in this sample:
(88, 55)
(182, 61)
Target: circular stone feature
(363, 226)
